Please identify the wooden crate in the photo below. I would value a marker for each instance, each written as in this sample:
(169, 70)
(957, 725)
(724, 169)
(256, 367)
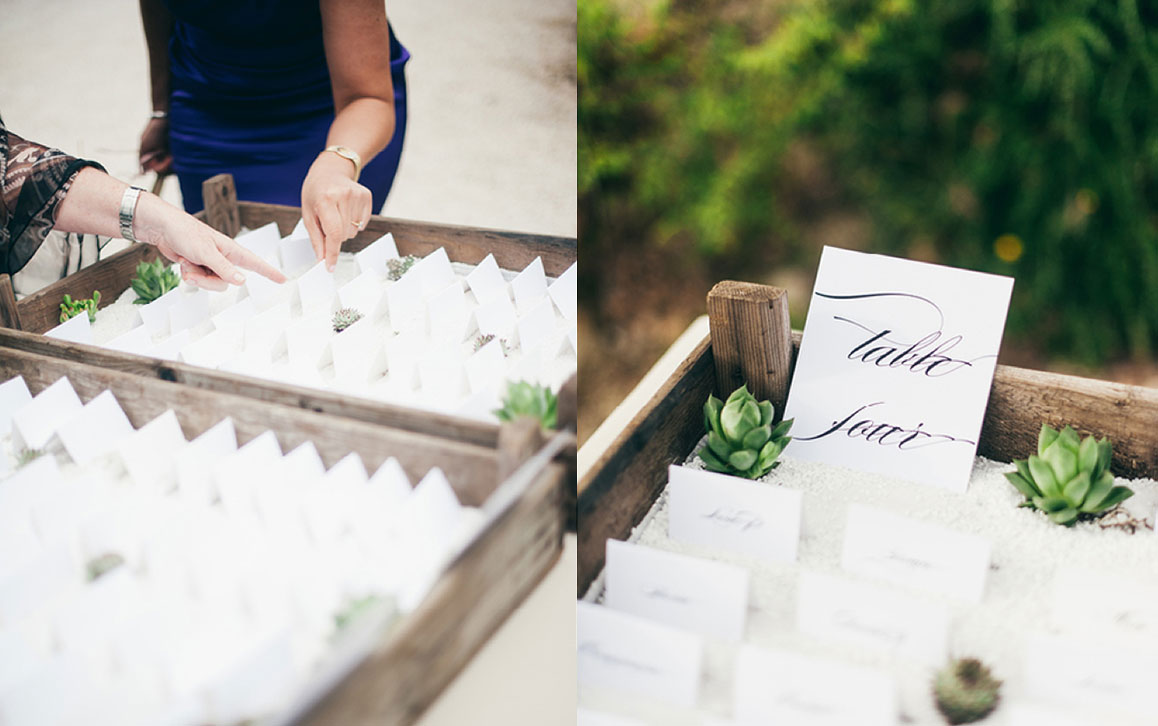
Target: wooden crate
(40, 311)
(390, 677)
(619, 488)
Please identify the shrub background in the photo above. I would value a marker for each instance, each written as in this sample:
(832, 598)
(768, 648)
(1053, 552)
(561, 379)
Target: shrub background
(725, 138)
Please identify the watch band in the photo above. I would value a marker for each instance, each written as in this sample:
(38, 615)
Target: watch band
(347, 153)
(129, 211)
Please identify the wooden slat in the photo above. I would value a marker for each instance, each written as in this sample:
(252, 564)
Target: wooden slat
(472, 469)
(512, 250)
(310, 399)
(621, 486)
(40, 311)
(404, 676)
(751, 340)
(220, 198)
(9, 313)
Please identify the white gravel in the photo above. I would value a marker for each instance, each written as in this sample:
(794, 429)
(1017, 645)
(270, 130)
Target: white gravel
(1028, 554)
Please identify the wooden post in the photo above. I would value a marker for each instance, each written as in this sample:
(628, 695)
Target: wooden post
(9, 313)
(518, 441)
(751, 340)
(221, 210)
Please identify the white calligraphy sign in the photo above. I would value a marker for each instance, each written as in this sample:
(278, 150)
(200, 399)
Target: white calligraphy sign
(895, 366)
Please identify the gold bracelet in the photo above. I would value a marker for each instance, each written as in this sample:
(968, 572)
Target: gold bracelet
(347, 153)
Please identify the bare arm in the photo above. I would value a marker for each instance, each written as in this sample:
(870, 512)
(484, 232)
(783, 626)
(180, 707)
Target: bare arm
(208, 258)
(357, 41)
(158, 24)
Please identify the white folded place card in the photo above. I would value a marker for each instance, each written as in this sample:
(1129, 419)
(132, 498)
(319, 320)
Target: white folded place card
(14, 395)
(233, 475)
(496, 317)
(296, 254)
(840, 610)
(636, 656)
(1114, 675)
(96, 430)
(391, 482)
(537, 326)
(170, 347)
(406, 304)
(372, 258)
(266, 293)
(564, 291)
(715, 510)
(188, 310)
(1087, 600)
(262, 330)
(365, 293)
(35, 422)
(308, 339)
(358, 353)
(684, 592)
(434, 272)
(138, 340)
(486, 281)
(214, 349)
(402, 355)
(886, 546)
(529, 286)
(1020, 713)
(233, 317)
(441, 374)
(426, 526)
(316, 289)
(195, 461)
(150, 454)
(776, 686)
(449, 314)
(262, 241)
(155, 315)
(895, 365)
(76, 329)
(485, 368)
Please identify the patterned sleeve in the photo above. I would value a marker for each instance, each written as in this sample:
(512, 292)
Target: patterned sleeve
(33, 181)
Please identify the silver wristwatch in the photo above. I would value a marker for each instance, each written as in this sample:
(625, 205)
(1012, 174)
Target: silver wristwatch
(128, 211)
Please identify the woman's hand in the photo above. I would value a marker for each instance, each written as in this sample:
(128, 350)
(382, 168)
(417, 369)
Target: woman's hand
(154, 154)
(208, 258)
(334, 206)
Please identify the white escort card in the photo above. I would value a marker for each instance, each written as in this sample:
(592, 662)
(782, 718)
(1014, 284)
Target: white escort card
(434, 272)
(885, 546)
(188, 310)
(316, 289)
(150, 453)
(1033, 714)
(565, 291)
(36, 421)
(14, 395)
(366, 294)
(496, 317)
(96, 430)
(449, 314)
(587, 717)
(636, 656)
(406, 304)
(138, 340)
(537, 326)
(297, 255)
(895, 366)
(76, 329)
(778, 687)
(155, 315)
(1085, 599)
(685, 592)
(1109, 675)
(843, 611)
(749, 518)
(266, 293)
(486, 281)
(372, 258)
(530, 285)
(262, 242)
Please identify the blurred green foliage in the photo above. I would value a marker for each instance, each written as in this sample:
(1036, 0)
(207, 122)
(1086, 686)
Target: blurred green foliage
(1017, 137)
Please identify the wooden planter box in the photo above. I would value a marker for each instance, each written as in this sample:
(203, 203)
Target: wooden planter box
(391, 676)
(40, 311)
(750, 342)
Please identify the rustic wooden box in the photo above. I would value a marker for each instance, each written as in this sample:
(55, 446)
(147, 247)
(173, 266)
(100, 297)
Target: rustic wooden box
(747, 322)
(382, 677)
(40, 311)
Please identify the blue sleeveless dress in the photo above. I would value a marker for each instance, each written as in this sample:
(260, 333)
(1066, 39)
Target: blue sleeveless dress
(250, 95)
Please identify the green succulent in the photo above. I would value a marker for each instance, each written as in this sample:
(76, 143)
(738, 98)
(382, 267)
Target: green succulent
(530, 399)
(27, 456)
(1069, 476)
(396, 267)
(71, 308)
(481, 340)
(345, 317)
(354, 610)
(99, 566)
(153, 280)
(741, 438)
(966, 691)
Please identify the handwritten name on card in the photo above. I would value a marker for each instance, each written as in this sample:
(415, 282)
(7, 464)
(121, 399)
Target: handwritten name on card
(774, 686)
(904, 551)
(841, 610)
(1107, 675)
(895, 366)
(714, 510)
(634, 655)
(1093, 601)
(685, 592)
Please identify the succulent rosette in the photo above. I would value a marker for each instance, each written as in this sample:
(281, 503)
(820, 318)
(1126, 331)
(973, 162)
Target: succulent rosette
(741, 438)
